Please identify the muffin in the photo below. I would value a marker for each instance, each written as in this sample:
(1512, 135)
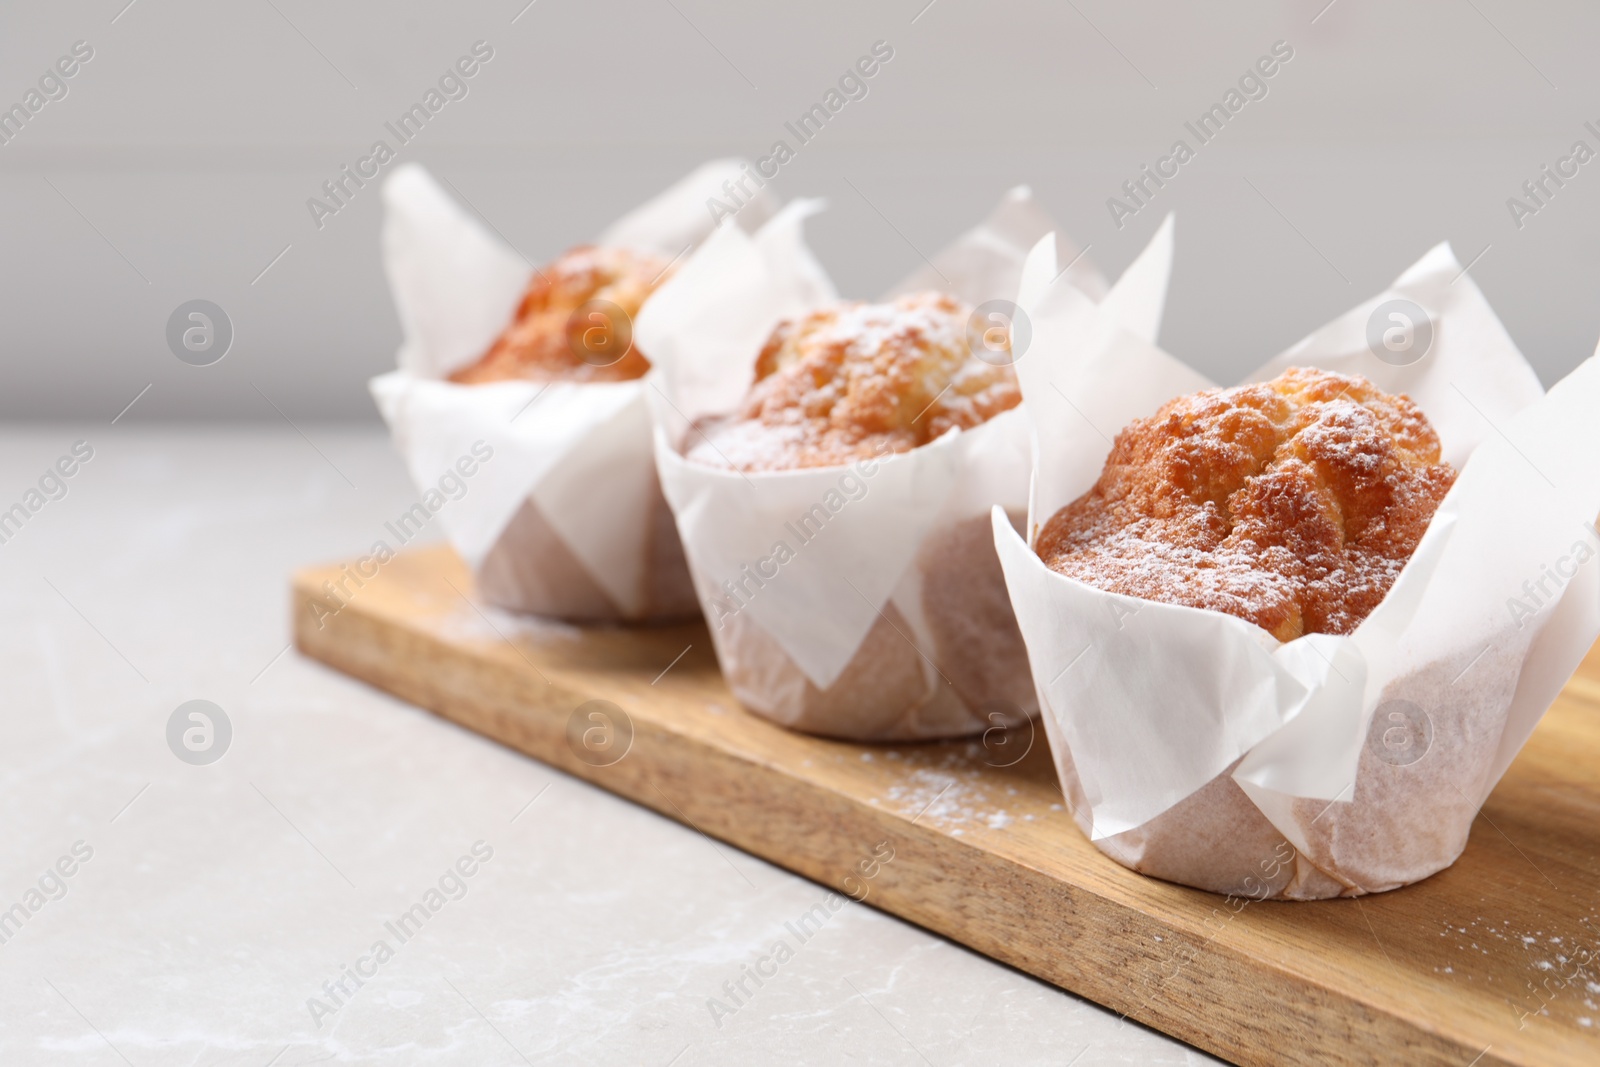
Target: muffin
(1293, 504)
(538, 364)
(574, 324)
(549, 339)
(1354, 755)
(856, 383)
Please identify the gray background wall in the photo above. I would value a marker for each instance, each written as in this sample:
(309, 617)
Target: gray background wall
(179, 164)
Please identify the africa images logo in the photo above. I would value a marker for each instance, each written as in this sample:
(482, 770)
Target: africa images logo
(338, 191)
(852, 85)
(52, 86)
(453, 884)
(1252, 85)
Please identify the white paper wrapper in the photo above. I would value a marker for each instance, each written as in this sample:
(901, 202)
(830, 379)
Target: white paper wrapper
(1195, 747)
(884, 615)
(566, 519)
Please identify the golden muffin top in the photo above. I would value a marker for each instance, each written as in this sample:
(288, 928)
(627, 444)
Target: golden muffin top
(1293, 503)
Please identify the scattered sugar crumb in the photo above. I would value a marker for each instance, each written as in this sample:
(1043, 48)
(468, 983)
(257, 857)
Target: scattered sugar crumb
(954, 797)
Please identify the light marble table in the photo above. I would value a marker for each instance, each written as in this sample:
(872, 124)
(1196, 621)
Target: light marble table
(219, 899)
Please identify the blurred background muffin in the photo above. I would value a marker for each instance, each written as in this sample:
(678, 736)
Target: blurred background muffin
(575, 320)
(857, 383)
(854, 380)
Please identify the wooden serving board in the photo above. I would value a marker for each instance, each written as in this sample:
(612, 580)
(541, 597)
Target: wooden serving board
(1484, 963)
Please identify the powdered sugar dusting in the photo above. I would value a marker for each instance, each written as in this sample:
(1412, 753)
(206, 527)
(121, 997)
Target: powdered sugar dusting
(852, 381)
(957, 795)
(1556, 972)
(1293, 503)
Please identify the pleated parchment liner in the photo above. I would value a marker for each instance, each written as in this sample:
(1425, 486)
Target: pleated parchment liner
(1195, 747)
(567, 518)
(863, 601)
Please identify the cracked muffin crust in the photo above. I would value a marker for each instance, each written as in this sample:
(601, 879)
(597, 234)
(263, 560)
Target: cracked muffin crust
(545, 341)
(1293, 504)
(851, 381)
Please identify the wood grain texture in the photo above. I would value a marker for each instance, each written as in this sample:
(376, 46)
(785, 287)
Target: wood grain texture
(1481, 964)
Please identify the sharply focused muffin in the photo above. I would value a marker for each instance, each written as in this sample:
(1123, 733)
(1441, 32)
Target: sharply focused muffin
(853, 380)
(1293, 504)
(548, 341)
